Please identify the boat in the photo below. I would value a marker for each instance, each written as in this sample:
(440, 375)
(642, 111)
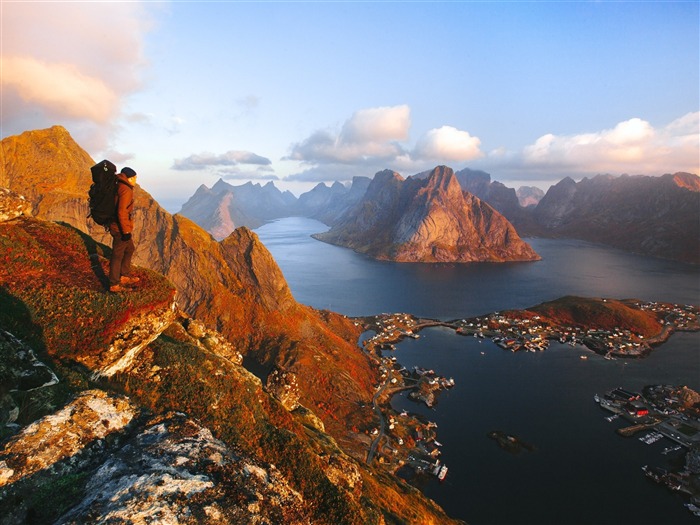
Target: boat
(670, 449)
(442, 472)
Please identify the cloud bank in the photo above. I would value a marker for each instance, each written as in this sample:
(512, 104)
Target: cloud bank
(369, 136)
(633, 146)
(232, 165)
(70, 63)
(377, 138)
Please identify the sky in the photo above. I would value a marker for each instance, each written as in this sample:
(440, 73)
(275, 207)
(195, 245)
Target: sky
(301, 93)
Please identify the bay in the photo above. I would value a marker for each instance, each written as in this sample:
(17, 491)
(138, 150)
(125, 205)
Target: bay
(581, 471)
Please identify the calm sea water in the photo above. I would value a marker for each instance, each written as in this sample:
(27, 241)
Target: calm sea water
(581, 471)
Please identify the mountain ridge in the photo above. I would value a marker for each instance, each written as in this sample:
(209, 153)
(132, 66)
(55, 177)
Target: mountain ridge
(426, 220)
(520, 208)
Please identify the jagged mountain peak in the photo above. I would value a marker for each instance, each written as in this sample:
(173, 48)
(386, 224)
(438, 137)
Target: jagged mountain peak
(442, 179)
(426, 220)
(383, 176)
(688, 181)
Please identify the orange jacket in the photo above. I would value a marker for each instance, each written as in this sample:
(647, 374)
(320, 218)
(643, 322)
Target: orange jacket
(125, 204)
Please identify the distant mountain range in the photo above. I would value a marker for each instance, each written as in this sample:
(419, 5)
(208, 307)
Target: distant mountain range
(657, 216)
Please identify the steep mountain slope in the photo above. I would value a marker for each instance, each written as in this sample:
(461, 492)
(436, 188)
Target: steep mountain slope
(233, 286)
(328, 204)
(427, 220)
(651, 215)
(192, 436)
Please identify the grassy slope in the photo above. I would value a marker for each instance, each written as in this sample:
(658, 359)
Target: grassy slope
(52, 296)
(607, 315)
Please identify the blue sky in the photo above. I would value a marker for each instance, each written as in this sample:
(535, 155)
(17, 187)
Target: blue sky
(307, 92)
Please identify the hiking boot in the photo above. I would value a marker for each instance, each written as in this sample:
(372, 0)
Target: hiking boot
(117, 288)
(126, 279)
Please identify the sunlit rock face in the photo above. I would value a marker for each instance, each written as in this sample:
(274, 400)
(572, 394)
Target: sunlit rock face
(427, 220)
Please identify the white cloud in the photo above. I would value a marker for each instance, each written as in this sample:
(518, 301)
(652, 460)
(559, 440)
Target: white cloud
(447, 144)
(633, 146)
(370, 135)
(201, 161)
(377, 125)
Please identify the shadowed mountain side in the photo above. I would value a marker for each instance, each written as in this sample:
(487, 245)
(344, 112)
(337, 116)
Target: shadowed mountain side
(427, 220)
(655, 216)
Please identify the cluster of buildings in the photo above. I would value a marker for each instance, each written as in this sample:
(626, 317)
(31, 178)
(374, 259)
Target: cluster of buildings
(663, 411)
(660, 409)
(531, 333)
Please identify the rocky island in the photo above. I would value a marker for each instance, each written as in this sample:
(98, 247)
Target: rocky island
(426, 220)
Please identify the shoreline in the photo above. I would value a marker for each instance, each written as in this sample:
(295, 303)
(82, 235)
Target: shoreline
(391, 329)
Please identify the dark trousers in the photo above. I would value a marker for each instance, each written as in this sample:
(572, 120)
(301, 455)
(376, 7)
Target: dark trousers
(120, 263)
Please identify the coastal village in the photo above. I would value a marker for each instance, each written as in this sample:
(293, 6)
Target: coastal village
(663, 411)
(408, 444)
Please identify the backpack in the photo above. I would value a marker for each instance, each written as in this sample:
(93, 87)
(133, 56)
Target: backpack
(103, 192)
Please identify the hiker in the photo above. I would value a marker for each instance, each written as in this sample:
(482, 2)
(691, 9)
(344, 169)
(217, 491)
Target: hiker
(121, 231)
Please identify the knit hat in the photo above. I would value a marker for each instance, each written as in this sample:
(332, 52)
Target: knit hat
(128, 172)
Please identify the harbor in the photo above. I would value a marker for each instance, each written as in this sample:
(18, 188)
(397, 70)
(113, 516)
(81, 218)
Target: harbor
(662, 412)
(407, 442)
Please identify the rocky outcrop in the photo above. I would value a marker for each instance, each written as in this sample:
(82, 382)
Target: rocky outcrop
(13, 205)
(21, 373)
(136, 469)
(655, 216)
(427, 220)
(284, 387)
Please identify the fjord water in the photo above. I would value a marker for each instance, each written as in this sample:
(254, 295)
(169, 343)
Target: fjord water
(581, 471)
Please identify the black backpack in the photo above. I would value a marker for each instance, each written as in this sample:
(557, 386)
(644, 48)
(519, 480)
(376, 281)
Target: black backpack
(102, 194)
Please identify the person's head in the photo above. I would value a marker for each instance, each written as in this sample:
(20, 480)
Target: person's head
(130, 174)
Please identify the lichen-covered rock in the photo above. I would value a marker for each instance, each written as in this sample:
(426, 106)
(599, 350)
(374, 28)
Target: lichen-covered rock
(13, 205)
(174, 471)
(65, 435)
(284, 387)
